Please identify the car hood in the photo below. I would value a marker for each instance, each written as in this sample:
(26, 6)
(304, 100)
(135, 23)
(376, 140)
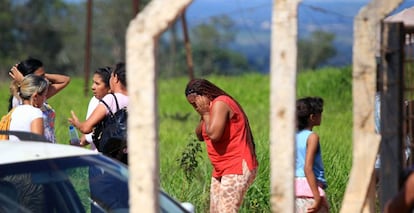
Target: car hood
(22, 151)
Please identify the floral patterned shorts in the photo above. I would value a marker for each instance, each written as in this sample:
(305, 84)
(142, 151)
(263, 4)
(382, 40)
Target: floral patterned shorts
(226, 195)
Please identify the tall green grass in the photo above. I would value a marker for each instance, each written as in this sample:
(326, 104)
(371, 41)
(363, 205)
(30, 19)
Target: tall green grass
(252, 91)
(177, 121)
(335, 87)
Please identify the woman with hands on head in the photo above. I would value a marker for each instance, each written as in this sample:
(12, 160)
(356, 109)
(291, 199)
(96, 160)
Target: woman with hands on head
(57, 82)
(27, 117)
(230, 145)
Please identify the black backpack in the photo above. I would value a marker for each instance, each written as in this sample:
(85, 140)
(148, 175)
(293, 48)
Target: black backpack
(110, 135)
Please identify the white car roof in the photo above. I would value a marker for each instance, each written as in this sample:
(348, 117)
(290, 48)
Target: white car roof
(14, 152)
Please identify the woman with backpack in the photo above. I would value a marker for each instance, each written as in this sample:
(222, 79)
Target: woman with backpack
(109, 104)
(57, 82)
(103, 188)
(100, 88)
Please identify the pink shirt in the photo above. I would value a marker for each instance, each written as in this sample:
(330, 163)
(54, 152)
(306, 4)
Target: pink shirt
(109, 99)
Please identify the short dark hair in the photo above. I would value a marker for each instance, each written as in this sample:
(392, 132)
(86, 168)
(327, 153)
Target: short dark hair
(305, 107)
(105, 74)
(120, 72)
(29, 66)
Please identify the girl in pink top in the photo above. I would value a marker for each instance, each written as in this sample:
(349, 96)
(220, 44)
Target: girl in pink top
(225, 129)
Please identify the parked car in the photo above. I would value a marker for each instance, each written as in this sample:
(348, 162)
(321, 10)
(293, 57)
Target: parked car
(44, 177)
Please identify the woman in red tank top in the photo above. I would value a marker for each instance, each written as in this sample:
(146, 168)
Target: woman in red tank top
(225, 129)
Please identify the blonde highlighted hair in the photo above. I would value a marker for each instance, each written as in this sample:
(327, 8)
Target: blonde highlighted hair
(30, 85)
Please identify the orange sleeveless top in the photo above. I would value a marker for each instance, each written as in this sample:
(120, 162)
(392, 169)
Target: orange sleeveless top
(235, 145)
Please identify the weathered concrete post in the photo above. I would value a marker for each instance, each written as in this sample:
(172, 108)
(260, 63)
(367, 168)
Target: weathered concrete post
(141, 41)
(282, 104)
(360, 192)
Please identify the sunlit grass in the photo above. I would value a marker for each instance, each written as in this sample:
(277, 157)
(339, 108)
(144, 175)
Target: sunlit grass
(252, 91)
(177, 121)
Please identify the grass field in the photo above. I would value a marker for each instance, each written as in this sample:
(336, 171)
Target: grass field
(177, 121)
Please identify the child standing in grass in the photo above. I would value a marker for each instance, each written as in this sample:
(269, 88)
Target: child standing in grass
(310, 179)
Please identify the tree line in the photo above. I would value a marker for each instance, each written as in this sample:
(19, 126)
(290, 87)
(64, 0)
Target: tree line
(54, 31)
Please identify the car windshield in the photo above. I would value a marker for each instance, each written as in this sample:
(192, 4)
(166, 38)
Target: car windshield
(72, 184)
(89, 183)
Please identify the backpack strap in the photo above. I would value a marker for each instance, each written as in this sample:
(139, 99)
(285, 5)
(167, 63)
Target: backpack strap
(109, 108)
(116, 101)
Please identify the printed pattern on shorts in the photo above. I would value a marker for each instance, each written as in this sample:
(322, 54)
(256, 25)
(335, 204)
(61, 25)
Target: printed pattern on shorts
(302, 203)
(226, 195)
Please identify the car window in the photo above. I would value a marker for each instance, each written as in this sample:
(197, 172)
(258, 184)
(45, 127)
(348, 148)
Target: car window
(75, 184)
(79, 184)
(80, 181)
(31, 194)
(168, 204)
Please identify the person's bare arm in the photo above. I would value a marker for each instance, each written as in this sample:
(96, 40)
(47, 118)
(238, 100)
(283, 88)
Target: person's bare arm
(199, 132)
(403, 202)
(82, 140)
(57, 83)
(311, 149)
(37, 126)
(216, 120)
(87, 126)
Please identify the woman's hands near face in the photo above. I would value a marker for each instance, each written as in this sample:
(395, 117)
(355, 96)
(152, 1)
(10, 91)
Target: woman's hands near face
(203, 104)
(200, 103)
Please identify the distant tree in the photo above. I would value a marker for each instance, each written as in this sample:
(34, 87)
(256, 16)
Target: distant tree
(171, 52)
(8, 44)
(315, 50)
(37, 31)
(210, 42)
(28, 28)
(212, 53)
(110, 20)
(218, 31)
(54, 31)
